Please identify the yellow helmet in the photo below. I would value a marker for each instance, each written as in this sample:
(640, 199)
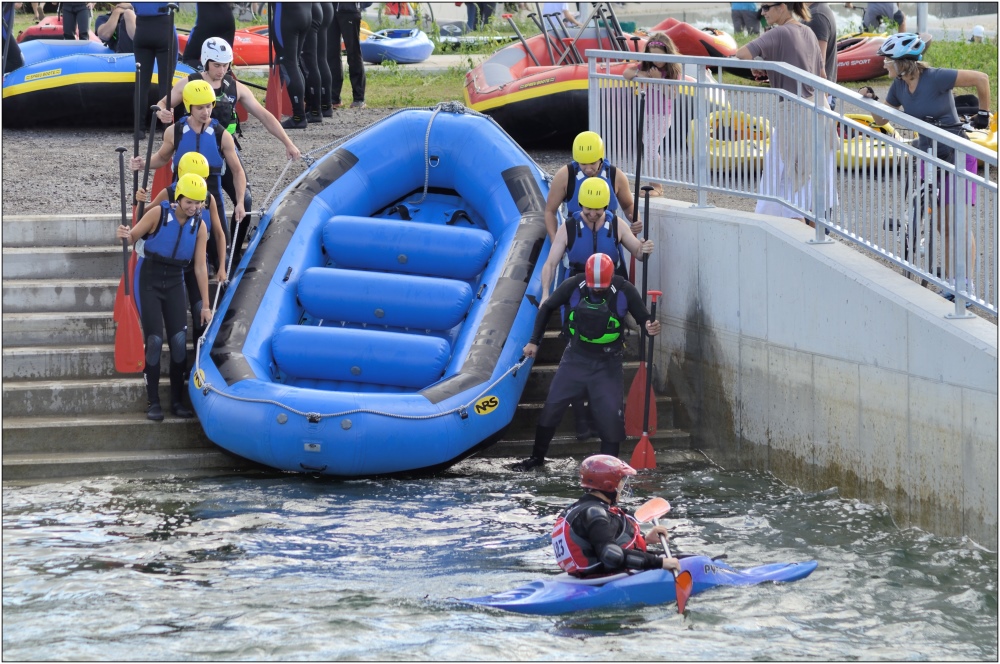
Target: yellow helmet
(192, 162)
(193, 187)
(594, 193)
(197, 93)
(588, 148)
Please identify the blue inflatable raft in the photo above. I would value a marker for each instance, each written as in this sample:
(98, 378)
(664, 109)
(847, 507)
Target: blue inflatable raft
(36, 50)
(397, 45)
(566, 594)
(376, 322)
(95, 89)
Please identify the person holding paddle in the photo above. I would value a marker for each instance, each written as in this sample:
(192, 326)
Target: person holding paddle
(174, 236)
(595, 536)
(591, 365)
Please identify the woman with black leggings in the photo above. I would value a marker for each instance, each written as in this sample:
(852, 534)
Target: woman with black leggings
(319, 77)
(174, 236)
(290, 25)
(212, 19)
(154, 30)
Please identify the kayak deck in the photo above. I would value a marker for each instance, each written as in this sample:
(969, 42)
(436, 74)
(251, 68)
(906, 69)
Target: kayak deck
(563, 594)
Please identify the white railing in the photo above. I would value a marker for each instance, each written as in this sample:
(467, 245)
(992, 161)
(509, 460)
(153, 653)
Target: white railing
(881, 193)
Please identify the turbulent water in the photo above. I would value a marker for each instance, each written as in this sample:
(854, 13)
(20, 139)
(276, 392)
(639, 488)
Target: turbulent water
(286, 567)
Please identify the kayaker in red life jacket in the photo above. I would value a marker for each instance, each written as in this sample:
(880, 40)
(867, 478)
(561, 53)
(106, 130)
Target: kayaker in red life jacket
(595, 537)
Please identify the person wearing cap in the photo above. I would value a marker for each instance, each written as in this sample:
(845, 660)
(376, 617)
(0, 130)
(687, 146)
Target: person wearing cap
(216, 61)
(174, 236)
(927, 93)
(588, 161)
(591, 365)
(595, 536)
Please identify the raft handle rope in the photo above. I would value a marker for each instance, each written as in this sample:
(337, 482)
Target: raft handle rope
(314, 417)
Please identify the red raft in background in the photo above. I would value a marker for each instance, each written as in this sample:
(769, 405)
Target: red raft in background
(543, 102)
(689, 40)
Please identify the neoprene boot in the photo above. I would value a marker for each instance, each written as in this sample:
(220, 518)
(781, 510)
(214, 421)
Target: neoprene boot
(177, 406)
(295, 122)
(151, 374)
(314, 116)
(543, 436)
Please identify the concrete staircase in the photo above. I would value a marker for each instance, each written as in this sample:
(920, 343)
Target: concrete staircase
(68, 413)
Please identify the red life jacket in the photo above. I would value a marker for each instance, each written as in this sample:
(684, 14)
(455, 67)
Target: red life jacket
(575, 555)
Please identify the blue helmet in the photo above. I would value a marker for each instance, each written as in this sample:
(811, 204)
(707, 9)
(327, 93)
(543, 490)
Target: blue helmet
(903, 46)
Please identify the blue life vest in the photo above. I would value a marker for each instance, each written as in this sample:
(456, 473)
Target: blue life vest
(576, 177)
(172, 243)
(582, 243)
(150, 8)
(208, 142)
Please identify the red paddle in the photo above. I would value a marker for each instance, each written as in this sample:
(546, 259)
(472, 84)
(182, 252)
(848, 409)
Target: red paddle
(130, 354)
(644, 457)
(683, 583)
(653, 508)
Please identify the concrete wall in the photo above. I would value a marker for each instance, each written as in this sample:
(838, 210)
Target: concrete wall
(826, 368)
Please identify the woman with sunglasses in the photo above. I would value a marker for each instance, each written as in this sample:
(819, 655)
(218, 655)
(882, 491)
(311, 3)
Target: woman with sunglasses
(659, 107)
(787, 165)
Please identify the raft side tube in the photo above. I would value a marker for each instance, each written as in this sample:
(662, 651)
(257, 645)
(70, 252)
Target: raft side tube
(407, 246)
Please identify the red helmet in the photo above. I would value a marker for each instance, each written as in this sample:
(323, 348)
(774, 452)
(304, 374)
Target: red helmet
(604, 472)
(600, 269)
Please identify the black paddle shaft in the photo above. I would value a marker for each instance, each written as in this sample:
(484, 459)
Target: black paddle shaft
(517, 31)
(135, 134)
(149, 155)
(649, 374)
(121, 173)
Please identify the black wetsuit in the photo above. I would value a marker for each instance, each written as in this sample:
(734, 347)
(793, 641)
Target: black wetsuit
(290, 22)
(319, 78)
(154, 30)
(212, 19)
(75, 18)
(12, 58)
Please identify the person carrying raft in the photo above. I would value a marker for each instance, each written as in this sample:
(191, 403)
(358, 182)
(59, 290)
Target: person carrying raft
(217, 59)
(174, 237)
(595, 536)
(591, 365)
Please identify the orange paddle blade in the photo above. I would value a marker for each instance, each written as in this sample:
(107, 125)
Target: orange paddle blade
(130, 351)
(653, 508)
(119, 300)
(683, 584)
(635, 405)
(644, 457)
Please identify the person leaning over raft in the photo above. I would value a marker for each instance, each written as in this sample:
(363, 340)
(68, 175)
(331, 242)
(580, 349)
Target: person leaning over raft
(927, 93)
(175, 236)
(787, 172)
(591, 365)
(117, 29)
(594, 536)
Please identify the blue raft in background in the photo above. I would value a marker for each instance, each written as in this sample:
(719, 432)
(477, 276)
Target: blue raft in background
(376, 322)
(397, 45)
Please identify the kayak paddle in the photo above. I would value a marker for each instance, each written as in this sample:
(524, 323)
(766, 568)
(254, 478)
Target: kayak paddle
(634, 424)
(644, 457)
(653, 508)
(130, 352)
(683, 583)
(638, 169)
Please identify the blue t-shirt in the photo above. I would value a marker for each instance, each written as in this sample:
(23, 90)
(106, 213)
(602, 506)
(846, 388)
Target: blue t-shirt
(932, 97)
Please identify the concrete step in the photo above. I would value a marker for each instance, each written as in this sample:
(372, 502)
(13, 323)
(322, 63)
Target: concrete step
(57, 362)
(39, 467)
(98, 262)
(92, 397)
(526, 419)
(60, 231)
(59, 295)
(58, 327)
(563, 446)
(127, 432)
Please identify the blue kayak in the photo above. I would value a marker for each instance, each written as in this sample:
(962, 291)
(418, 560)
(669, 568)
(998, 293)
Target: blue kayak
(397, 45)
(567, 594)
